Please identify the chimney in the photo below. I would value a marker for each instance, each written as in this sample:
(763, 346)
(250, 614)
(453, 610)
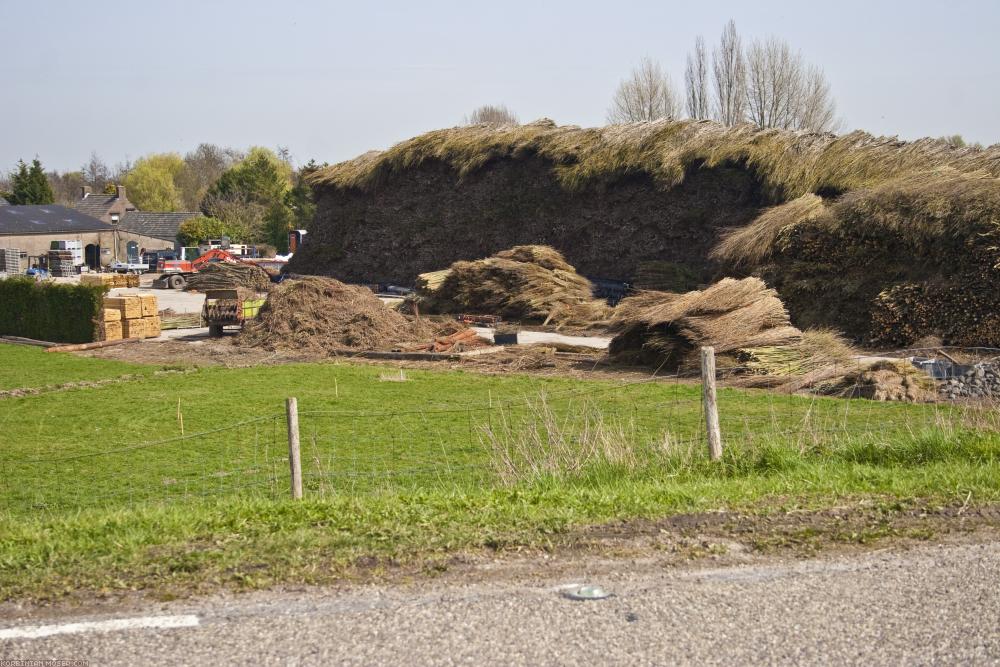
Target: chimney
(119, 192)
(84, 191)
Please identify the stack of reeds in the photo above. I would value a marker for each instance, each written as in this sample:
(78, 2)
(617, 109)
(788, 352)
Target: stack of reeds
(523, 283)
(225, 275)
(665, 329)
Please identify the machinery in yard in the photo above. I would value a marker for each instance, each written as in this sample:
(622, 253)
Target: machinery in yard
(176, 272)
(228, 308)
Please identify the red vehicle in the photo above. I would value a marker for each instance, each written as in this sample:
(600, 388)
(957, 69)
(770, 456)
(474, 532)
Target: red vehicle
(177, 271)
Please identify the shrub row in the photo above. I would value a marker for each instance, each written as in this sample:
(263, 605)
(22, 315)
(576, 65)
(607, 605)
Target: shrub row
(49, 311)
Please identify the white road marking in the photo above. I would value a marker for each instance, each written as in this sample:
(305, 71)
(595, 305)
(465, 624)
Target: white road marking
(39, 631)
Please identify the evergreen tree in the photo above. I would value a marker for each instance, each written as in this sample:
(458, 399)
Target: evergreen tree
(30, 185)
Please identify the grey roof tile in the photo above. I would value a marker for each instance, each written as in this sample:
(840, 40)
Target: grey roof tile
(47, 219)
(159, 225)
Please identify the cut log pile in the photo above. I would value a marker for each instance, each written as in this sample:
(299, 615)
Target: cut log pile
(129, 317)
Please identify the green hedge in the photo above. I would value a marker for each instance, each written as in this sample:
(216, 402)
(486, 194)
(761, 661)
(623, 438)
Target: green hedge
(49, 311)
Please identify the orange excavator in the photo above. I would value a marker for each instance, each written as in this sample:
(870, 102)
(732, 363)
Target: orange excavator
(177, 271)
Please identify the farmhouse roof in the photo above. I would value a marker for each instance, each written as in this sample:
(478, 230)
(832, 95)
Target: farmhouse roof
(158, 225)
(47, 219)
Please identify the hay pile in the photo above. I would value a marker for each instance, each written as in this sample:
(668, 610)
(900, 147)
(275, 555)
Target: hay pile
(664, 329)
(529, 282)
(224, 275)
(325, 315)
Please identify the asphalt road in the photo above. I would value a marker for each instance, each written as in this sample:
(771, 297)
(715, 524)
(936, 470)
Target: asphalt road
(933, 605)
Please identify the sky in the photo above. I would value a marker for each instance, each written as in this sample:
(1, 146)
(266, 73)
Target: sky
(332, 80)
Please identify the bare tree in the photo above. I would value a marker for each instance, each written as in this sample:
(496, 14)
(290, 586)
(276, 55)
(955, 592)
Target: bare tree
(696, 81)
(817, 109)
(647, 94)
(775, 80)
(729, 77)
(784, 92)
(202, 167)
(65, 186)
(96, 173)
(492, 114)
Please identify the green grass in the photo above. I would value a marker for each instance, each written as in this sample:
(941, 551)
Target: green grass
(100, 490)
(32, 367)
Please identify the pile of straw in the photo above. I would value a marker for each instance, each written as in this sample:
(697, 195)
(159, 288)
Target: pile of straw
(664, 329)
(325, 315)
(225, 275)
(529, 282)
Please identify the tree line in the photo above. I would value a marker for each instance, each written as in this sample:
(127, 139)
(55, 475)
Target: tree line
(764, 82)
(255, 196)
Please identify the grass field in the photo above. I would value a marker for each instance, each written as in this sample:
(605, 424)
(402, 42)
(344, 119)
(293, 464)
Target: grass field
(183, 477)
(24, 367)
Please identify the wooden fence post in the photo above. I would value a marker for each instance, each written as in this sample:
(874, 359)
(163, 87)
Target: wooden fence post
(711, 406)
(294, 458)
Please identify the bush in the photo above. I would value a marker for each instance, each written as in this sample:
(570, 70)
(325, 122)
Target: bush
(49, 311)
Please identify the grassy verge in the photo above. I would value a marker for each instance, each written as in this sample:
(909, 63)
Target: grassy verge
(235, 543)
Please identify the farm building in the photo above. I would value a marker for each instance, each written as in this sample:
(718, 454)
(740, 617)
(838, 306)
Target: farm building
(32, 229)
(677, 204)
(108, 208)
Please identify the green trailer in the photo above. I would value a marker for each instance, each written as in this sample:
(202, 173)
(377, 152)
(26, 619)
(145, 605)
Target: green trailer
(227, 308)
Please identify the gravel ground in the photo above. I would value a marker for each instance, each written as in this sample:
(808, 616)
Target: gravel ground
(928, 605)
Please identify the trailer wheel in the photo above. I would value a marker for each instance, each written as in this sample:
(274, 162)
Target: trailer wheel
(176, 282)
(215, 330)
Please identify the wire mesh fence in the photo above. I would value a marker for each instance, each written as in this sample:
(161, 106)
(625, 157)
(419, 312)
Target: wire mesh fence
(646, 427)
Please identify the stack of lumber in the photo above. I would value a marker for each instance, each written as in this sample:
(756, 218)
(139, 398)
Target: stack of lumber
(10, 261)
(61, 264)
(526, 282)
(110, 279)
(137, 315)
(109, 324)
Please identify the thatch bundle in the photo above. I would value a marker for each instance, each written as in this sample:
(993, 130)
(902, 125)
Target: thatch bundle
(523, 283)
(757, 241)
(665, 329)
(226, 275)
(325, 315)
(910, 258)
(789, 163)
(886, 381)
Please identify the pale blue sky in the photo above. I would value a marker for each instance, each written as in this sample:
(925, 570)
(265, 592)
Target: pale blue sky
(331, 80)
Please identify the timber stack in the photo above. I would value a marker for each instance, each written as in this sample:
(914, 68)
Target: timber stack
(135, 316)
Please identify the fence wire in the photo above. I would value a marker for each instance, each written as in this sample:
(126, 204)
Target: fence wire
(644, 427)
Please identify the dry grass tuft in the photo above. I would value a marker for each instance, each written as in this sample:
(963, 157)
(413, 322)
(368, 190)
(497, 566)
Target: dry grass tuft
(543, 445)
